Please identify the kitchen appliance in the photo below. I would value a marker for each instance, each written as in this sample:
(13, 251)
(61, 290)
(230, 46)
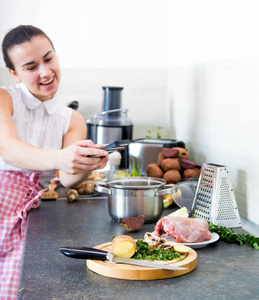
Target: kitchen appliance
(214, 198)
(74, 105)
(135, 196)
(112, 123)
(145, 151)
(97, 254)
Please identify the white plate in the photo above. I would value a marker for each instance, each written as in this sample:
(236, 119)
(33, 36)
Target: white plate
(214, 238)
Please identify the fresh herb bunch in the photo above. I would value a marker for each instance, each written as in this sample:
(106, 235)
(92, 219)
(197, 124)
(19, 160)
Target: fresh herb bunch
(143, 252)
(230, 236)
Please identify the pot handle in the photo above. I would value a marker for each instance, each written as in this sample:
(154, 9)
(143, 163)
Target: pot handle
(102, 189)
(168, 189)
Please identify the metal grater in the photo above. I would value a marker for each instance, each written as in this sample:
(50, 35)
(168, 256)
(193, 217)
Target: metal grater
(214, 198)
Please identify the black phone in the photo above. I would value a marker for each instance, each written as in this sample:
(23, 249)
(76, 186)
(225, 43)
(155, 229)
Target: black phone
(115, 146)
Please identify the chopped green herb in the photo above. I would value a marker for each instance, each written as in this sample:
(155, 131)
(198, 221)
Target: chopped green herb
(230, 236)
(143, 252)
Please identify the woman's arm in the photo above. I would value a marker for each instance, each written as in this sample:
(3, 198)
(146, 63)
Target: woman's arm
(80, 165)
(71, 159)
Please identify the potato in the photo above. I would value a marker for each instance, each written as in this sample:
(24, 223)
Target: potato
(187, 164)
(132, 224)
(170, 152)
(183, 153)
(124, 246)
(160, 158)
(153, 170)
(174, 244)
(171, 164)
(182, 249)
(191, 173)
(172, 176)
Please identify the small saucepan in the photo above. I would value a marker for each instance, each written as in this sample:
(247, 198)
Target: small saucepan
(135, 196)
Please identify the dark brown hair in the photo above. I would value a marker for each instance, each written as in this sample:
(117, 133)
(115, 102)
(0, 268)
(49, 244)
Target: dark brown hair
(17, 36)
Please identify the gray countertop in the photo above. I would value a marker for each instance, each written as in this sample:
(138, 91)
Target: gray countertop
(224, 271)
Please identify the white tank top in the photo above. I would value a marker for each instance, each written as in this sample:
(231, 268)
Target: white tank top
(41, 124)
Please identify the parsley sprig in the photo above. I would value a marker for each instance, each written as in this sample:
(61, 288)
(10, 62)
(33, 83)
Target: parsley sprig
(230, 236)
(143, 252)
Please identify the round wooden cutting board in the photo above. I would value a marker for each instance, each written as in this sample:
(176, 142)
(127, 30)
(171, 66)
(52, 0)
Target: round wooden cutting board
(132, 272)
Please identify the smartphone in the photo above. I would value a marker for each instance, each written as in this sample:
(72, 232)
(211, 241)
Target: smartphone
(115, 146)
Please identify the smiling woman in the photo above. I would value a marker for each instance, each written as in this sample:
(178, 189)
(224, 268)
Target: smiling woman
(36, 65)
(38, 136)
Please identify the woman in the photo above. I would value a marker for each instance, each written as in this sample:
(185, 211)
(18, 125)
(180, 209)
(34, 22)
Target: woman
(37, 136)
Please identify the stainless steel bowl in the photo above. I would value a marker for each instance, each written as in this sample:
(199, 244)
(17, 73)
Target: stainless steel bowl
(185, 193)
(135, 196)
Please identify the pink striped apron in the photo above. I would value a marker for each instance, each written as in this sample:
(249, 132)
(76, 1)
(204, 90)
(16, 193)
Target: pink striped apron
(18, 194)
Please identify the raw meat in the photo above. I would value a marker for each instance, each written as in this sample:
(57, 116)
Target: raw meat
(183, 230)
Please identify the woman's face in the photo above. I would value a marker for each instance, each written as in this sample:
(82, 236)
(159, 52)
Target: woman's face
(36, 65)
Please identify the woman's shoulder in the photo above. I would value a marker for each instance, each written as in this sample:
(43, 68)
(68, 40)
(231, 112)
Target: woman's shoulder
(4, 92)
(6, 103)
(77, 120)
(5, 95)
(11, 91)
(76, 117)
(15, 87)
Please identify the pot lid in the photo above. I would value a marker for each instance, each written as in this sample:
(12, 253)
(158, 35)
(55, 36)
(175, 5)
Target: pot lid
(136, 183)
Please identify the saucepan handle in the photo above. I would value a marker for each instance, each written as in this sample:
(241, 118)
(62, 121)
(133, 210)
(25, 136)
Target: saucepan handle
(168, 189)
(102, 189)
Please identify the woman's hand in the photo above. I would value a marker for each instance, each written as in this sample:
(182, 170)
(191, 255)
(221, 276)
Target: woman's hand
(75, 159)
(74, 162)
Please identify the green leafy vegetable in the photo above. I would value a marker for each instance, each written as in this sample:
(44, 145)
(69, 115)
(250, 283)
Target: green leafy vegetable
(158, 135)
(149, 136)
(133, 171)
(230, 236)
(143, 252)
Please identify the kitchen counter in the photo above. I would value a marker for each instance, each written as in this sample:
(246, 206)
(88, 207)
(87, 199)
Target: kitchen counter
(224, 271)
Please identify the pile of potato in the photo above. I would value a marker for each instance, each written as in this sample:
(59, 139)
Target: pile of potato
(172, 165)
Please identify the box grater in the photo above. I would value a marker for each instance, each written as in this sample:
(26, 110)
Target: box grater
(214, 198)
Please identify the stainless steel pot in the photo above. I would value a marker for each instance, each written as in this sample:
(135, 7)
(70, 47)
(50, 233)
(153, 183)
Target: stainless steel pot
(134, 196)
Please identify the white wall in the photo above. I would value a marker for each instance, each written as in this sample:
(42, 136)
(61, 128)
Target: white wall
(190, 66)
(116, 43)
(213, 88)
(202, 31)
(96, 34)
